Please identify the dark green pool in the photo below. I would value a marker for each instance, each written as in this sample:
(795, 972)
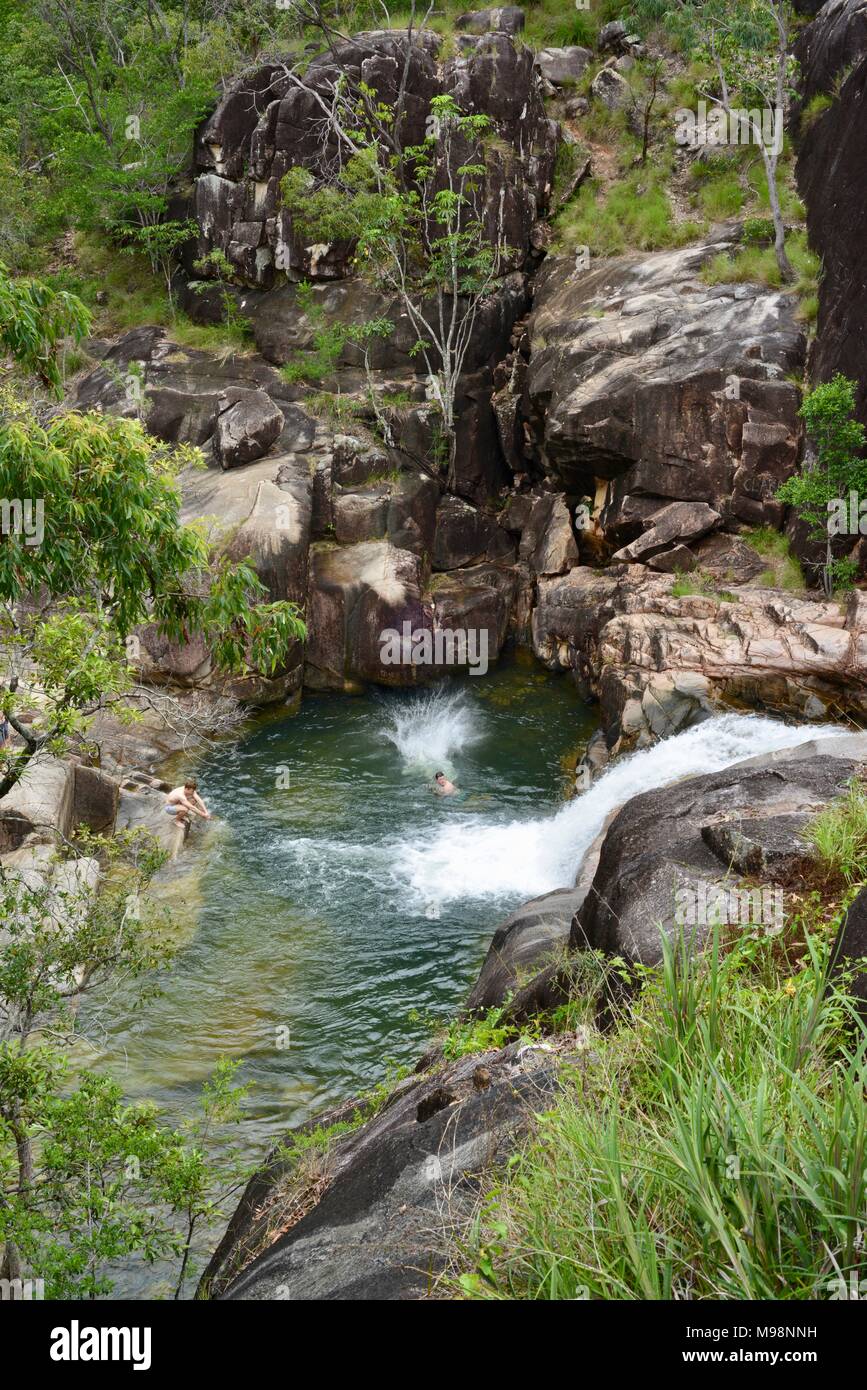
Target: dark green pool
(338, 904)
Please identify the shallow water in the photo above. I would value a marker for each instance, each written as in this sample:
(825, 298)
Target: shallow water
(338, 907)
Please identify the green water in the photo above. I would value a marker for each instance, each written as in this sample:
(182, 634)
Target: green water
(337, 905)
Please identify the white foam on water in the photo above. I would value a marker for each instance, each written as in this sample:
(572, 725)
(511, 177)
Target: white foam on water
(470, 858)
(429, 730)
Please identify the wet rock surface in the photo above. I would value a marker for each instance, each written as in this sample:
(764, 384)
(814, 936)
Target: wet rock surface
(709, 835)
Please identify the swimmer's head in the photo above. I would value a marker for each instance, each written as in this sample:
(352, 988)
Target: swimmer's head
(191, 785)
(439, 777)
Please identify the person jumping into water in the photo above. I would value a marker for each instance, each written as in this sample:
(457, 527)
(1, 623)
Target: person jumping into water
(443, 786)
(185, 801)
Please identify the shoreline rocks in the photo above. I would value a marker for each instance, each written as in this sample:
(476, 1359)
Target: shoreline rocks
(709, 835)
(658, 662)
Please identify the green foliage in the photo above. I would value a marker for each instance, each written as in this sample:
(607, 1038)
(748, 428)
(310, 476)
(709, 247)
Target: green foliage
(99, 105)
(415, 219)
(236, 328)
(756, 264)
(160, 242)
(714, 1149)
(758, 231)
(86, 1179)
(703, 585)
(104, 98)
(634, 213)
(838, 438)
(478, 1035)
(814, 109)
(34, 320)
(721, 198)
(329, 339)
(108, 1179)
(784, 569)
(112, 542)
(839, 833)
(109, 552)
(549, 23)
(741, 36)
(314, 1142)
(97, 1180)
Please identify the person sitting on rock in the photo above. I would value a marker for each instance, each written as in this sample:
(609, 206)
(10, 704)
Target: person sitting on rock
(185, 801)
(442, 786)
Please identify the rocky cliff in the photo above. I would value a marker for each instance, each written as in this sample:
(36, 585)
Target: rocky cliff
(832, 165)
(626, 414)
(622, 428)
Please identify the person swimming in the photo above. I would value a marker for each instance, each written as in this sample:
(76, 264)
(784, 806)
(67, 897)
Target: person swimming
(442, 786)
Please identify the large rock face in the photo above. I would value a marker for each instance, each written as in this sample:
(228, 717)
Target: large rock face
(248, 423)
(268, 122)
(334, 522)
(658, 662)
(464, 536)
(372, 619)
(242, 415)
(274, 120)
(832, 171)
(372, 1225)
(850, 951)
(686, 844)
(282, 329)
(646, 386)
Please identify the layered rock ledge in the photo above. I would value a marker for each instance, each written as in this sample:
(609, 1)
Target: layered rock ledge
(658, 662)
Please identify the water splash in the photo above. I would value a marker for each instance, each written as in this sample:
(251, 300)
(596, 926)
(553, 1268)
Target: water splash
(470, 859)
(430, 729)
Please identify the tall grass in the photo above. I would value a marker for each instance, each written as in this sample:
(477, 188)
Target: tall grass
(718, 1150)
(784, 569)
(758, 265)
(634, 213)
(839, 833)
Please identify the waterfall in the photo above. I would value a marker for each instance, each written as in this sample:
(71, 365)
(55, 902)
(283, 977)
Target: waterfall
(479, 858)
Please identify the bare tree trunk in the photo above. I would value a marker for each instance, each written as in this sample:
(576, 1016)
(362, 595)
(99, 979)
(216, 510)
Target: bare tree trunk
(11, 1266)
(787, 273)
(771, 157)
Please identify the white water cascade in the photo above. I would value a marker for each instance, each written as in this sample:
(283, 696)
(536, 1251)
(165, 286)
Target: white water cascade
(475, 857)
(430, 730)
